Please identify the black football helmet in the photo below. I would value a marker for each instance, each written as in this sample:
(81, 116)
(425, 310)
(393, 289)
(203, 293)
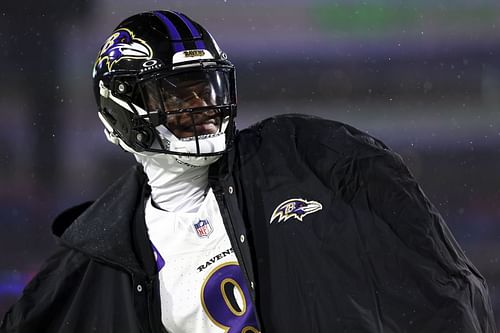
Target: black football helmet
(163, 85)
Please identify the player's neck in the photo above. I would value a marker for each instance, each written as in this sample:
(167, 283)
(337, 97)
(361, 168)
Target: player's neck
(175, 187)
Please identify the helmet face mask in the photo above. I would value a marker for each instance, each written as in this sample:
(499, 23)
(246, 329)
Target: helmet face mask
(169, 101)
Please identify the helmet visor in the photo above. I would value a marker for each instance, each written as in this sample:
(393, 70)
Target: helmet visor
(194, 102)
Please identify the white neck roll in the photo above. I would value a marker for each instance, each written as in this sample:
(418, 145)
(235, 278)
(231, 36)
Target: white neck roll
(176, 186)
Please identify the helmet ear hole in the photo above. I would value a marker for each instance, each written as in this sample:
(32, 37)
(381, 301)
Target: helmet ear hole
(122, 88)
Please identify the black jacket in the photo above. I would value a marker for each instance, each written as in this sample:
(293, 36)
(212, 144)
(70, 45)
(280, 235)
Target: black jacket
(376, 258)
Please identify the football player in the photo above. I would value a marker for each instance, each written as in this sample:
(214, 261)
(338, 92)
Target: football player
(296, 224)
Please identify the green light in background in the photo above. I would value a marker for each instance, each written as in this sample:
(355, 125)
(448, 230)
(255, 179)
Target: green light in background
(371, 18)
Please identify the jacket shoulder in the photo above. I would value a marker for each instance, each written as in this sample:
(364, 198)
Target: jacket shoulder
(307, 145)
(310, 132)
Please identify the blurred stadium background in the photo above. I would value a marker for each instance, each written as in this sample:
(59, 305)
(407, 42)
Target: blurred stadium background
(422, 76)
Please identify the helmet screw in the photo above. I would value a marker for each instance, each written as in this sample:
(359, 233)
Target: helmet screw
(140, 137)
(122, 87)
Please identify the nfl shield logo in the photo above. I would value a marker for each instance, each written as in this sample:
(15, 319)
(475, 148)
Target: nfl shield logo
(203, 228)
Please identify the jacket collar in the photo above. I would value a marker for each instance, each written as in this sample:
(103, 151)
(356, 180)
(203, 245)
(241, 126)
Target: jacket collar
(223, 167)
(106, 229)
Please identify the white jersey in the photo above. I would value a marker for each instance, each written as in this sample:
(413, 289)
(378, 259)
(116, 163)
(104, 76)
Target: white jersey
(202, 288)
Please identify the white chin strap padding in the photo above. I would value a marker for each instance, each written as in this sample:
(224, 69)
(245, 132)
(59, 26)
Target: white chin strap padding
(213, 144)
(210, 144)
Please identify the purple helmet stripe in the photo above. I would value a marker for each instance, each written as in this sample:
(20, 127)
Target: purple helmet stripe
(172, 32)
(196, 34)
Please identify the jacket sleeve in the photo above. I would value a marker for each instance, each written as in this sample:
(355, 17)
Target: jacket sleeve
(394, 196)
(48, 293)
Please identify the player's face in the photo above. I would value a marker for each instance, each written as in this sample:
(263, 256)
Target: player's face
(186, 124)
(190, 94)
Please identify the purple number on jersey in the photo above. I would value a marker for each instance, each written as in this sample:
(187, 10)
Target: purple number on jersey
(227, 301)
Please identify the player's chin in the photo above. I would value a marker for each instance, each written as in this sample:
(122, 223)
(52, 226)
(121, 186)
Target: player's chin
(201, 129)
(206, 128)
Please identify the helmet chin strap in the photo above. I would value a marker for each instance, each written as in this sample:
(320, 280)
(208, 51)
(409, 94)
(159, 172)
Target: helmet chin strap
(209, 144)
